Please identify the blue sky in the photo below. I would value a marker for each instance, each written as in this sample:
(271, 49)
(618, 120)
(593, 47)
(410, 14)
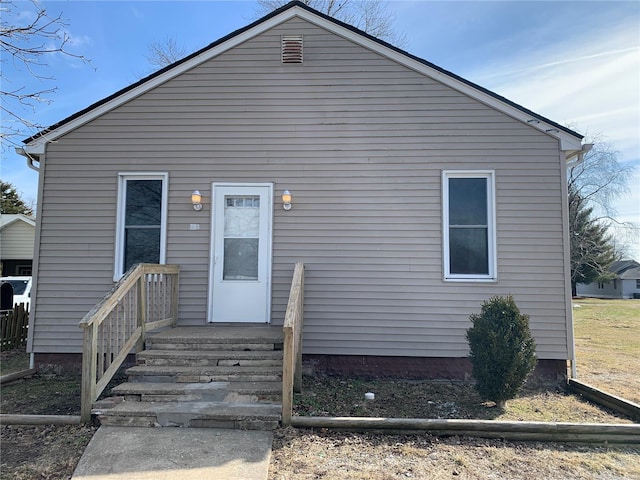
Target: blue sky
(577, 63)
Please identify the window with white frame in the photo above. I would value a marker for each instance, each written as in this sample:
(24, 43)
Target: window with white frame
(469, 233)
(142, 211)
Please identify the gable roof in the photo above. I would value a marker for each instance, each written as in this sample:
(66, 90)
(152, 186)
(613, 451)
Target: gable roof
(626, 269)
(7, 219)
(570, 141)
(630, 274)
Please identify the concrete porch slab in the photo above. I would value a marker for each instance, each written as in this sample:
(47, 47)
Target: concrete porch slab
(137, 453)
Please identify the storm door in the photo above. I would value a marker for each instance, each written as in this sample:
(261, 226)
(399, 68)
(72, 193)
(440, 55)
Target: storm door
(240, 283)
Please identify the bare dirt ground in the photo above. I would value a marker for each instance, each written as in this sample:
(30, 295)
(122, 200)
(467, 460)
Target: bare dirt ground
(45, 452)
(48, 452)
(40, 452)
(342, 397)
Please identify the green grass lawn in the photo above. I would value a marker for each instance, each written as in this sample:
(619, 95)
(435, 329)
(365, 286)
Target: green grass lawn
(607, 337)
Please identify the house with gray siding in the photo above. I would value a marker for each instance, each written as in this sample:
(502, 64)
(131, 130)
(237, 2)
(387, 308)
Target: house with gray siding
(415, 196)
(17, 232)
(624, 284)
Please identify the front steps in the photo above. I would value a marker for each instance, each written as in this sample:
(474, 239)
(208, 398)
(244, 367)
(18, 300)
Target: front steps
(216, 377)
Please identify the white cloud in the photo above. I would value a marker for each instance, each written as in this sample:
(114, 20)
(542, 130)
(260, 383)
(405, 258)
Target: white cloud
(136, 12)
(78, 40)
(591, 82)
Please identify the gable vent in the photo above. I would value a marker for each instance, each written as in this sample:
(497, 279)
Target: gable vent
(291, 48)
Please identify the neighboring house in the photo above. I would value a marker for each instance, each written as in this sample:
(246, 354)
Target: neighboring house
(17, 233)
(417, 195)
(625, 284)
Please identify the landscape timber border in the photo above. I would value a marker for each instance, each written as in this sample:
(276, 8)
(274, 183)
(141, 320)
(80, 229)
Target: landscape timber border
(10, 377)
(513, 431)
(608, 400)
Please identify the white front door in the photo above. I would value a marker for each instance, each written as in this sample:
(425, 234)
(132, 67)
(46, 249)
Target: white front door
(240, 273)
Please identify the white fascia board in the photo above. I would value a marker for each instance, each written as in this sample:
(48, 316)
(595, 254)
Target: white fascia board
(17, 218)
(567, 141)
(36, 148)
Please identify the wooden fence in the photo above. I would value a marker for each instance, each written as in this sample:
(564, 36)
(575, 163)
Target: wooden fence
(292, 359)
(146, 298)
(14, 326)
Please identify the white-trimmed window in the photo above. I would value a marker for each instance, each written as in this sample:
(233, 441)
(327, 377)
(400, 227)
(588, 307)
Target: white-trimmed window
(141, 220)
(469, 231)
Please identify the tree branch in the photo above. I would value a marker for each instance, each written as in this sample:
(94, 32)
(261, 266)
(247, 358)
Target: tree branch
(28, 43)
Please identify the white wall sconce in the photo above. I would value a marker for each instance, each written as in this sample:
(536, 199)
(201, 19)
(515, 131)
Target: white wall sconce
(286, 200)
(196, 200)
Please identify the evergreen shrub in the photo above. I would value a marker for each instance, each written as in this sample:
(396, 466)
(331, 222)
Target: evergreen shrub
(502, 350)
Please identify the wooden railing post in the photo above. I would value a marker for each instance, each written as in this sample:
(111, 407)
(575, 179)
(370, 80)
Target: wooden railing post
(297, 380)
(89, 366)
(287, 377)
(142, 311)
(292, 349)
(174, 299)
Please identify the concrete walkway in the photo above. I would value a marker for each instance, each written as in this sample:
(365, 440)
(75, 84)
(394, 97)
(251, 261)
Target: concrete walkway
(139, 453)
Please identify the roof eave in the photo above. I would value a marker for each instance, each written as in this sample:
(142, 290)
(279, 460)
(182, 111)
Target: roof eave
(19, 217)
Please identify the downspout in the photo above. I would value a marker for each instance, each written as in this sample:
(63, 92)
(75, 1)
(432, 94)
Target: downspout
(572, 158)
(578, 155)
(31, 159)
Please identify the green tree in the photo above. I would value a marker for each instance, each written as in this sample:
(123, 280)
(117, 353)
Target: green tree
(592, 250)
(501, 349)
(11, 201)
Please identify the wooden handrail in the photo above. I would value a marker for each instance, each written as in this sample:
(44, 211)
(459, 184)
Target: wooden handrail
(144, 299)
(292, 354)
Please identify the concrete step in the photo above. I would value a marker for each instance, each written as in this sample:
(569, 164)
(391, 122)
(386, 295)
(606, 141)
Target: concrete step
(210, 358)
(203, 374)
(214, 376)
(249, 338)
(230, 392)
(208, 346)
(246, 416)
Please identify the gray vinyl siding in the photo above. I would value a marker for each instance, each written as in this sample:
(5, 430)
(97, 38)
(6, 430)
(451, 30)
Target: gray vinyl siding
(361, 143)
(600, 290)
(16, 241)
